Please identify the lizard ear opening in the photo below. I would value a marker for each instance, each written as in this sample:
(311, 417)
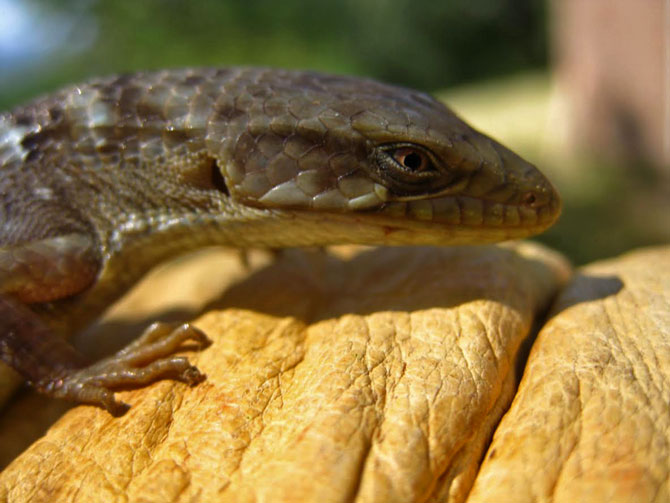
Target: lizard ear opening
(202, 173)
(217, 178)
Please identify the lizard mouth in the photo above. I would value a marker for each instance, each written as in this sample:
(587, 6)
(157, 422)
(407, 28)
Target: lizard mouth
(446, 220)
(439, 221)
(443, 220)
(472, 212)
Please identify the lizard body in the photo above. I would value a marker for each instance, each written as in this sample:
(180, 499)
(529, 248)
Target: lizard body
(101, 181)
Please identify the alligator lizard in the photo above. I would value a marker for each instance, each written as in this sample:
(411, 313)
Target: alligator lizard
(101, 181)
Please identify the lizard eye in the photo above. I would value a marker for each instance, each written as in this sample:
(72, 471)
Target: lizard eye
(412, 159)
(409, 170)
(407, 163)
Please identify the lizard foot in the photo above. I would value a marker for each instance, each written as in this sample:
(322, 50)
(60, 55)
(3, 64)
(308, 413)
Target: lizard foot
(142, 362)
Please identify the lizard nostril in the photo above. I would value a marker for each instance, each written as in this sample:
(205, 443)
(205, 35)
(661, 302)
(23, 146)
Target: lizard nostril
(529, 199)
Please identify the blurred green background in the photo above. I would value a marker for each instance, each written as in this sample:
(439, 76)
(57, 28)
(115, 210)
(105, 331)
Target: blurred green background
(419, 43)
(489, 59)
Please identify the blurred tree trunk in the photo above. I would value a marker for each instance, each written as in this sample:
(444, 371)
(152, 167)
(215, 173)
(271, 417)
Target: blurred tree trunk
(612, 62)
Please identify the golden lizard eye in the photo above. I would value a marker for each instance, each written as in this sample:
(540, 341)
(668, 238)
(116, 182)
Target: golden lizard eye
(412, 159)
(407, 169)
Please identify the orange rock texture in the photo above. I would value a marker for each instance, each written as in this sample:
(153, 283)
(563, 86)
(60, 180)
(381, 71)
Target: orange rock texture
(591, 418)
(377, 376)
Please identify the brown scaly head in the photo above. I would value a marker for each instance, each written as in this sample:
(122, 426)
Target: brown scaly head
(324, 148)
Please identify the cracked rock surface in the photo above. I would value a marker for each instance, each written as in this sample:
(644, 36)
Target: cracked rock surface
(378, 375)
(591, 418)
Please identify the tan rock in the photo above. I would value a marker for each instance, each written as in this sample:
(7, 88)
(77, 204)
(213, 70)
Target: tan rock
(374, 378)
(174, 291)
(591, 419)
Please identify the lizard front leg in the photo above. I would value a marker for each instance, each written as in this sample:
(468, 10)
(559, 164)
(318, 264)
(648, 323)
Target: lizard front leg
(55, 268)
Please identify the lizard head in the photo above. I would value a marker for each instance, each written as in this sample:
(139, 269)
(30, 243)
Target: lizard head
(403, 165)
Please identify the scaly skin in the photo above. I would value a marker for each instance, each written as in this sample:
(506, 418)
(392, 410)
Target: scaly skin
(101, 181)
